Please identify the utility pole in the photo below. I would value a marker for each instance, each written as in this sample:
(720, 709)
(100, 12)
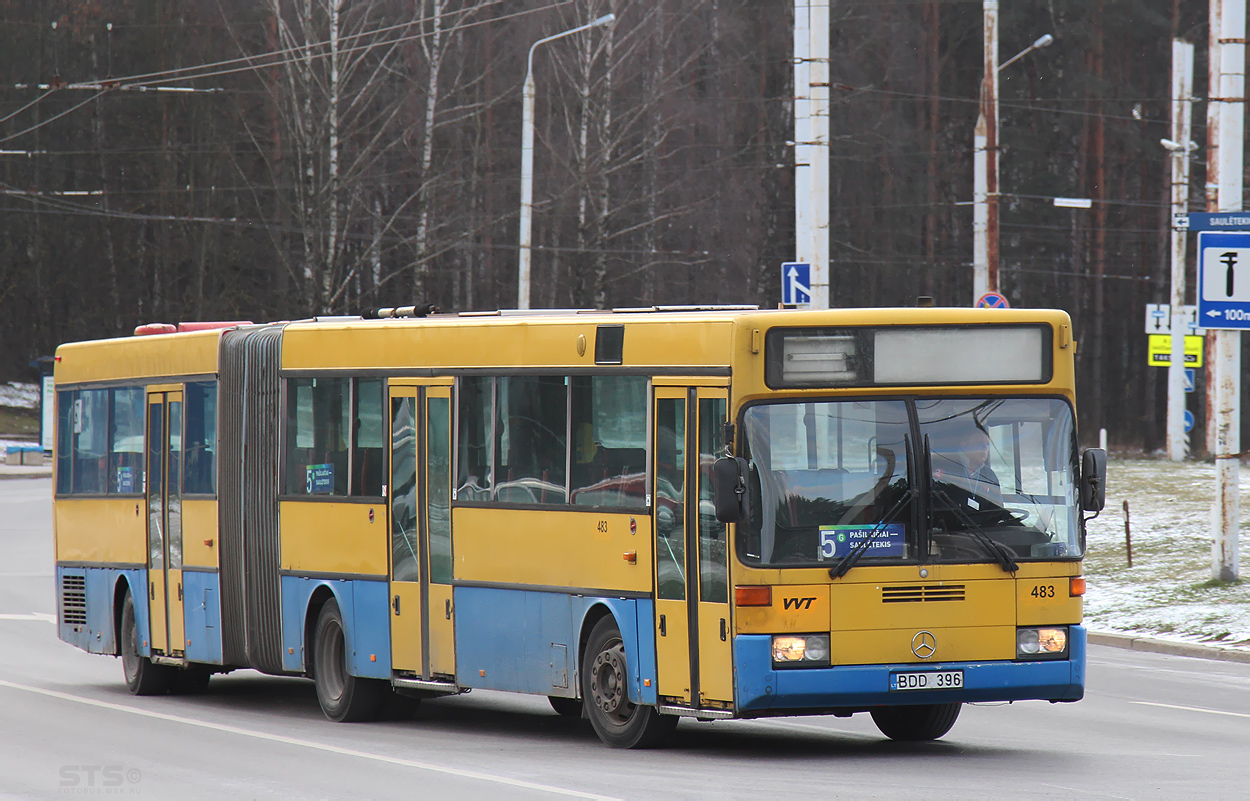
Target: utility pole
(1182, 113)
(1226, 106)
(985, 166)
(811, 143)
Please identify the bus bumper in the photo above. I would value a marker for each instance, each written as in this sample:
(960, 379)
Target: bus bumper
(760, 688)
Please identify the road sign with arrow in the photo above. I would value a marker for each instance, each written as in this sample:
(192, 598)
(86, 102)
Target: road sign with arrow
(1159, 319)
(796, 283)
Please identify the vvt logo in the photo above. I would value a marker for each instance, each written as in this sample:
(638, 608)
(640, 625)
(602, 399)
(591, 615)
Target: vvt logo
(798, 603)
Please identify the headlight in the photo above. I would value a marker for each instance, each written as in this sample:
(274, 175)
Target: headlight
(1042, 643)
(801, 650)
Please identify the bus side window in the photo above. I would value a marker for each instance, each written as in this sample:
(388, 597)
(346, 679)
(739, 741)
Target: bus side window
(367, 461)
(473, 438)
(610, 444)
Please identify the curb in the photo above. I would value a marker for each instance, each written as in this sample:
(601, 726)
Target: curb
(34, 472)
(1172, 647)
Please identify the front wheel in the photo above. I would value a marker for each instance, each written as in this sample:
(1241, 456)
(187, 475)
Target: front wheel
(344, 698)
(143, 676)
(619, 722)
(915, 723)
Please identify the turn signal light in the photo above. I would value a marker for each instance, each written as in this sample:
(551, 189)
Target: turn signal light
(746, 595)
(1076, 586)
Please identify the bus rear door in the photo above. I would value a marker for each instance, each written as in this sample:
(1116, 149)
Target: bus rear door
(422, 615)
(693, 643)
(164, 502)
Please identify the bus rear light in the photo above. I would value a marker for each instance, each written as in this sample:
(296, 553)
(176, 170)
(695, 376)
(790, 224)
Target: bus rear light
(1076, 586)
(746, 595)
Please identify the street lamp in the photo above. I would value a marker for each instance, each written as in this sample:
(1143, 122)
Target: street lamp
(527, 159)
(985, 159)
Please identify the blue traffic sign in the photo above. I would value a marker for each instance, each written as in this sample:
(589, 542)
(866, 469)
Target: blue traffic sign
(992, 300)
(1189, 379)
(796, 283)
(1189, 421)
(1224, 280)
(1213, 221)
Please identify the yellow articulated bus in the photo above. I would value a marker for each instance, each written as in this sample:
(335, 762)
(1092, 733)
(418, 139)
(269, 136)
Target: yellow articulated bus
(644, 514)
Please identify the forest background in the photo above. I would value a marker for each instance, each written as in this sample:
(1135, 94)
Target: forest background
(341, 154)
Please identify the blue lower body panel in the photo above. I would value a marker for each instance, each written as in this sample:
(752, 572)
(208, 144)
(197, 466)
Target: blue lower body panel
(761, 689)
(526, 641)
(202, 606)
(89, 603)
(365, 607)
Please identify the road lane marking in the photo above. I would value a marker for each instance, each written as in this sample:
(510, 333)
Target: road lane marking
(44, 616)
(1084, 791)
(333, 749)
(1193, 709)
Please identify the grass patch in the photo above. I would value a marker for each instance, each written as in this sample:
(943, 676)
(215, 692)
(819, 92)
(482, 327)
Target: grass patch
(18, 422)
(1216, 584)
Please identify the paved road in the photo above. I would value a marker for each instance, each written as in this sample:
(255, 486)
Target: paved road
(1151, 726)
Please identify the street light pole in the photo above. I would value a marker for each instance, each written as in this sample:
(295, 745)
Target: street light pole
(527, 160)
(985, 158)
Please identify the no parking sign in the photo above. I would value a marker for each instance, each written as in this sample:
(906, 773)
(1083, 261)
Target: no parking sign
(992, 300)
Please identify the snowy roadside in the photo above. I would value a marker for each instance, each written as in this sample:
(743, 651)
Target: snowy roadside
(19, 396)
(1168, 592)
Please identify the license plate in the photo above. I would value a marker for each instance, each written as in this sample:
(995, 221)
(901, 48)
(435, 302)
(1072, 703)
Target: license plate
(927, 680)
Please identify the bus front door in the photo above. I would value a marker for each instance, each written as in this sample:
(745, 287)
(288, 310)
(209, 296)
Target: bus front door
(163, 492)
(422, 622)
(693, 634)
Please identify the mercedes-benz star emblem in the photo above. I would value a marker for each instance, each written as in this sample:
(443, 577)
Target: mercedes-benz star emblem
(924, 644)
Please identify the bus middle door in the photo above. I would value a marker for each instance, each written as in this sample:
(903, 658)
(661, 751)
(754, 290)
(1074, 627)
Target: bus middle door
(422, 623)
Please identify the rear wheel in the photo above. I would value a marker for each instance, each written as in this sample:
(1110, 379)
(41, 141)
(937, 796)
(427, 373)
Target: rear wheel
(566, 707)
(619, 722)
(344, 698)
(143, 677)
(913, 723)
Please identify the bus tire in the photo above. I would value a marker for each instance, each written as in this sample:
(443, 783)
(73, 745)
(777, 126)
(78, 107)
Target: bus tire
(605, 675)
(566, 707)
(143, 676)
(344, 698)
(915, 723)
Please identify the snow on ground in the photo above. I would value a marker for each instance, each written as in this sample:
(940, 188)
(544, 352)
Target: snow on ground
(1168, 592)
(22, 396)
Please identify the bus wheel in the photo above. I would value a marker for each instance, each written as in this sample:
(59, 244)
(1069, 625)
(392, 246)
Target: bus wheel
(344, 698)
(143, 677)
(912, 723)
(566, 707)
(617, 721)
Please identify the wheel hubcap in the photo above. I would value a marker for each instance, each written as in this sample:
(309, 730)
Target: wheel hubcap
(607, 682)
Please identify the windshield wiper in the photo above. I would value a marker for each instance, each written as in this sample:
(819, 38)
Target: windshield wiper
(847, 562)
(973, 529)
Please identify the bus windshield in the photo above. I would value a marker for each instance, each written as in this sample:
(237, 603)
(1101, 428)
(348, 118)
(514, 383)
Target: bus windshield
(922, 480)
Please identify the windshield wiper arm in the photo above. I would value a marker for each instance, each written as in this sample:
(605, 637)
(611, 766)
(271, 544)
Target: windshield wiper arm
(847, 562)
(994, 548)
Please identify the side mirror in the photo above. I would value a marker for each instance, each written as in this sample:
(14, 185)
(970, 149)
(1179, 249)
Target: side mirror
(729, 489)
(1093, 479)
